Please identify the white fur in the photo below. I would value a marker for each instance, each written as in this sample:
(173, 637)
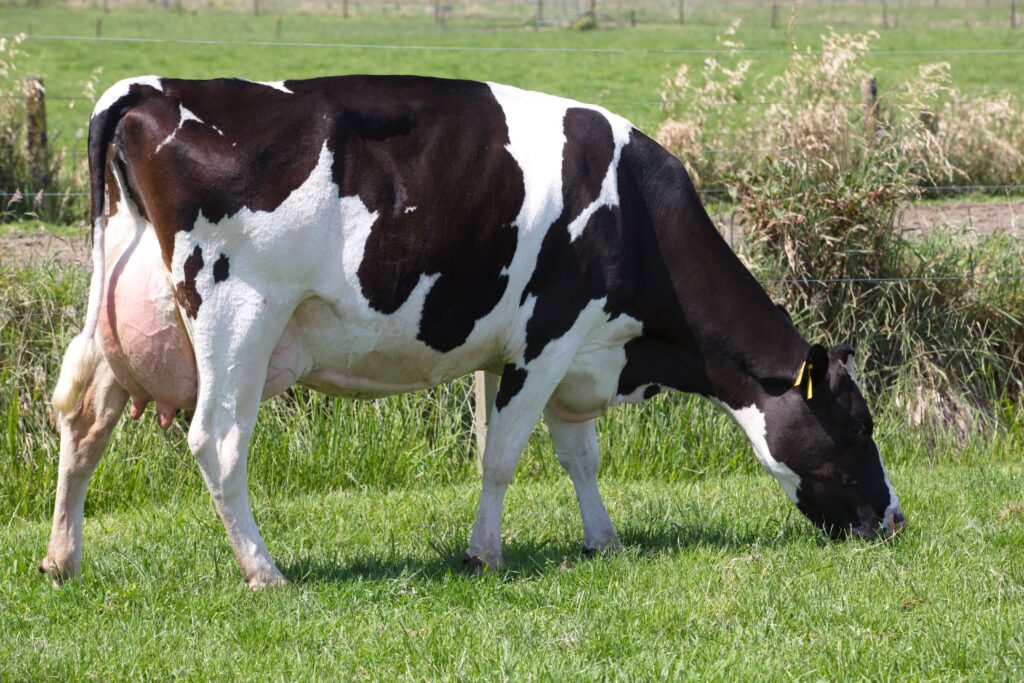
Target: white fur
(184, 115)
(894, 503)
(635, 396)
(76, 372)
(578, 453)
(81, 356)
(609, 195)
(120, 89)
(752, 421)
(276, 85)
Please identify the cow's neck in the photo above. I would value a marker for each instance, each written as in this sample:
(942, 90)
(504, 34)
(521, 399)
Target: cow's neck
(722, 333)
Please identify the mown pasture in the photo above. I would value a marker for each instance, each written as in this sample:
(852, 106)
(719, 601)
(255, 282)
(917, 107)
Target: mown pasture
(367, 505)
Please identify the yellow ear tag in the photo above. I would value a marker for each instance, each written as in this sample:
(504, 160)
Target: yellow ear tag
(805, 367)
(800, 375)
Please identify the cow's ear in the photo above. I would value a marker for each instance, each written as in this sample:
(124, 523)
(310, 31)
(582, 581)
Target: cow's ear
(813, 371)
(845, 354)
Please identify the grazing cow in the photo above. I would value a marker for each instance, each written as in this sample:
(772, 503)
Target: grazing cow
(366, 236)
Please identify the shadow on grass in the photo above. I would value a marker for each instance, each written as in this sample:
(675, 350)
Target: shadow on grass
(531, 559)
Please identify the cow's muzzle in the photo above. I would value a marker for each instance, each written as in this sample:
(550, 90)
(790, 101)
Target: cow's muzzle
(892, 523)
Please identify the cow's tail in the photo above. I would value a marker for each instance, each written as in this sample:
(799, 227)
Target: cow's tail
(83, 354)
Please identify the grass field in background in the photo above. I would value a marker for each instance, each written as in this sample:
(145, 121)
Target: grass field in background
(627, 83)
(719, 579)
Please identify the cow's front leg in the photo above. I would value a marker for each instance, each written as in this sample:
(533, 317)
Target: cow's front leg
(576, 446)
(522, 394)
(86, 421)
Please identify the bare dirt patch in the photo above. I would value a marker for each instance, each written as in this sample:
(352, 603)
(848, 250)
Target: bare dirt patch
(21, 249)
(969, 220)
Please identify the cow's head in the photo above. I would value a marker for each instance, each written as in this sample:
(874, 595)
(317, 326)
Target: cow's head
(818, 440)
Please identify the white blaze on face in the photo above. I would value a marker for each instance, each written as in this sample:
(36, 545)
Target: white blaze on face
(894, 503)
(753, 423)
(120, 89)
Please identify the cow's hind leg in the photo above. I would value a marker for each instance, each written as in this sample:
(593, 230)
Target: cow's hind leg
(88, 402)
(576, 446)
(233, 349)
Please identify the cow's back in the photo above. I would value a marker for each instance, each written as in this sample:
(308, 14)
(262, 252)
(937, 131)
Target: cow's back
(409, 218)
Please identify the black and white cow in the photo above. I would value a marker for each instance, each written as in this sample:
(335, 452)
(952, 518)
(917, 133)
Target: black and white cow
(367, 236)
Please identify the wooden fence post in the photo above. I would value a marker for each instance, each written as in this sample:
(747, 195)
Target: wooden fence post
(485, 388)
(775, 14)
(885, 14)
(1014, 21)
(632, 18)
(537, 20)
(682, 11)
(344, 9)
(277, 27)
(99, 26)
(36, 139)
(869, 103)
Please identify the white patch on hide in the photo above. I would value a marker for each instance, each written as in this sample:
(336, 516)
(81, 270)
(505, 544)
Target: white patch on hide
(752, 421)
(592, 380)
(115, 92)
(609, 195)
(184, 115)
(276, 85)
(894, 502)
(410, 209)
(635, 396)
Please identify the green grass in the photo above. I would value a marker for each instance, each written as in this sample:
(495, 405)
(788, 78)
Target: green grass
(719, 579)
(626, 83)
(367, 506)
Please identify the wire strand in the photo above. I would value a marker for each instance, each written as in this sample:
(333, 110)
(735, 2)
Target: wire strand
(493, 48)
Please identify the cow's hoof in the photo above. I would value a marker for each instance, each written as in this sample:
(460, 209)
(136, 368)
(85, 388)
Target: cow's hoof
(612, 546)
(479, 565)
(267, 578)
(57, 575)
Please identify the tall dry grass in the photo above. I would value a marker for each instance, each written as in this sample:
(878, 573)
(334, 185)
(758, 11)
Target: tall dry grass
(815, 113)
(821, 179)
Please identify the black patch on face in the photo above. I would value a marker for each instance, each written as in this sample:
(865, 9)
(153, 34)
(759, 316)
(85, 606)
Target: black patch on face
(185, 292)
(512, 381)
(220, 268)
(828, 442)
(428, 156)
(651, 391)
